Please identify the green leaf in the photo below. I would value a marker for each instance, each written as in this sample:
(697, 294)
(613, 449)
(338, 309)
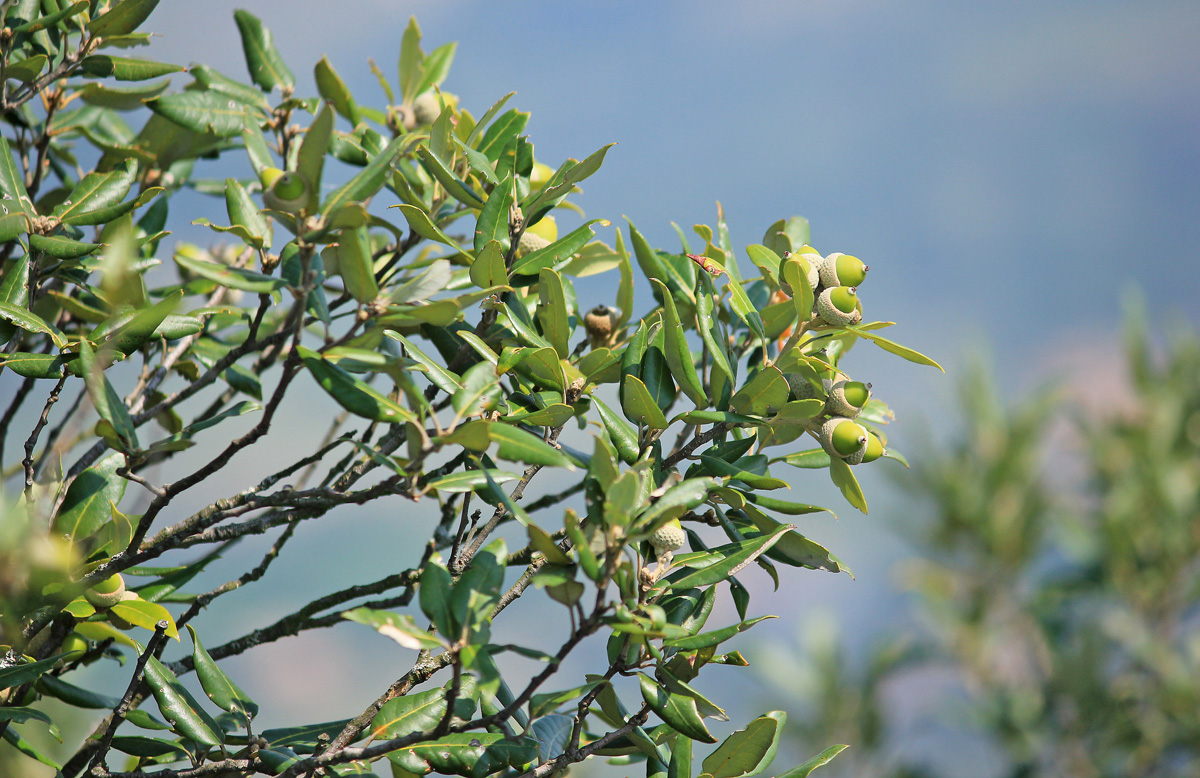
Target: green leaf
(895, 348)
(122, 18)
(87, 504)
(624, 437)
(12, 182)
(356, 264)
(21, 715)
(480, 390)
(677, 710)
(25, 747)
(795, 275)
(720, 467)
(716, 637)
(553, 193)
(331, 87)
(470, 754)
(433, 592)
(492, 222)
(146, 615)
(844, 479)
(747, 751)
(149, 747)
(18, 675)
(766, 393)
(441, 377)
(415, 712)
(262, 59)
(793, 548)
(368, 181)
(552, 311)
(411, 56)
(721, 377)
(488, 269)
(813, 459)
(677, 353)
(745, 310)
(178, 706)
(468, 481)
(821, 759)
(517, 445)
(201, 112)
(61, 247)
(767, 261)
(400, 627)
(454, 185)
(721, 562)
(504, 129)
(421, 224)
(231, 277)
(310, 160)
(97, 191)
(351, 393)
(558, 251)
(126, 68)
(217, 685)
(244, 212)
(31, 322)
(105, 399)
(639, 405)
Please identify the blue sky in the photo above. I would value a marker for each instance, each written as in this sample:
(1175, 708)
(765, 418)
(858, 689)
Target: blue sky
(1008, 170)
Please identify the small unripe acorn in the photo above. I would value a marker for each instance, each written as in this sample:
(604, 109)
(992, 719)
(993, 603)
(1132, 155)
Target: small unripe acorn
(839, 269)
(668, 537)
(426, 108)
(802, 388)
(809, 263)
(600, 323)
(843, 438)
(72, 643)
(282, 191)
(530, 243)
(106, 593)
(838, 306)
(875, 448)
(847, 398)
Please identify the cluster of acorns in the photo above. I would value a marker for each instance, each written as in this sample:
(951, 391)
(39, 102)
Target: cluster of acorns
(834, 280)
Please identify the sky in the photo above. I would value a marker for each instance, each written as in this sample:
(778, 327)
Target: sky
(1010, 172)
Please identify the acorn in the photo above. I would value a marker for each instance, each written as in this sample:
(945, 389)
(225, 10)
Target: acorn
(669, 537)
(426, 108)
(600, 323)
(844, 439)
(802, 388)
(839, 269)
(809, 263)
(106, 593)
(530, 242)
(838, 305)
(875, 448)
(284, 191)
(847, 398)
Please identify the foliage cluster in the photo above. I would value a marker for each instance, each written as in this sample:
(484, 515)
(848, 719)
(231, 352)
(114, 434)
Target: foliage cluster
(1067, 614)
(456, 357)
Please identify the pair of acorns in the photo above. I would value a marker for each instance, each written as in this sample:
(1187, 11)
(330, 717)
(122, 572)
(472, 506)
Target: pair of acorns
(840, 435)
(834, 280)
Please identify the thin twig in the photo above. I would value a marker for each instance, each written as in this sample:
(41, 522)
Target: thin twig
(122, 709)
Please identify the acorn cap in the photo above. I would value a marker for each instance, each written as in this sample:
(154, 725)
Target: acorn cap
(874, 448)
(600, 322)
(847, 398)
(668, 537)
(802, 388)
(838, 306)
(843, 438)
(106, 593)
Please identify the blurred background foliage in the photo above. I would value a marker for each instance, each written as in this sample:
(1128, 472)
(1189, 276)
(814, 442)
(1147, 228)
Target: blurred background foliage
(1054, 581)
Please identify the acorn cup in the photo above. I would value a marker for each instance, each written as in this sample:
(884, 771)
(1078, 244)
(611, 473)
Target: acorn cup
(530, 242)
(844, 439)
(106, 593)
(668, 538)
(802, 388)
(847, 398)
(600, 323)
(838, 306)
(426, 108)
(839, 269)
(287, 192)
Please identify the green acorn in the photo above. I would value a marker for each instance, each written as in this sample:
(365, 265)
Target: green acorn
(106, 593)
(838, 305)
(809, 262)
(802, 388)
(875, 448)
(844, 439)
(287, 192)
(839, 269)
(668, 537)
(530, 243)
(426, 108)
(847, 398)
